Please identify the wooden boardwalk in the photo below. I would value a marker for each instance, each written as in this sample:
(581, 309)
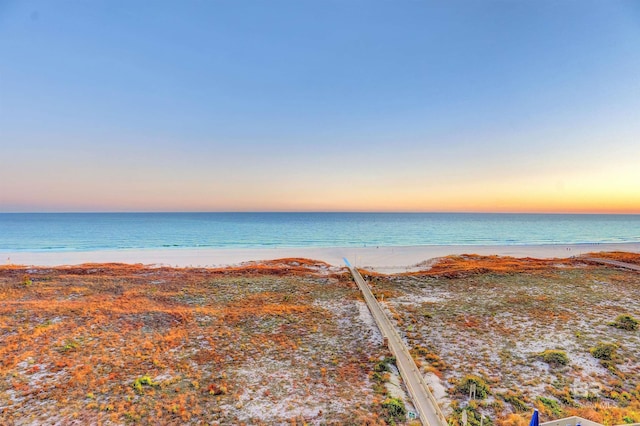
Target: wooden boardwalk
(611, 262)
(428, 410)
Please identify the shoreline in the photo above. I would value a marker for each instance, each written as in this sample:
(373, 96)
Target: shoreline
(383, 258)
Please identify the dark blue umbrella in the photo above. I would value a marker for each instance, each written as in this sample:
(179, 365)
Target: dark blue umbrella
(535, 419)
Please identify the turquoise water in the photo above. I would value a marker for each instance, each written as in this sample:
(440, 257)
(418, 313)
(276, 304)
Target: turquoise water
(107, 231)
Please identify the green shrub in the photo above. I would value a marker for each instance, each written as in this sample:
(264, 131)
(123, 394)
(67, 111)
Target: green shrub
(395, 411)
(554, 357)
(604, 351)
(474, 416)
(565, 396)
(383, 365)
(464, 385)
(419, 351)
(69, 345)
(379, 388)
(144, 380)
(625, 322)
(590, 396)
(26, 281)
(551, 405)
(516, 401)
(624, 399)
(610, 365)
(380, 377)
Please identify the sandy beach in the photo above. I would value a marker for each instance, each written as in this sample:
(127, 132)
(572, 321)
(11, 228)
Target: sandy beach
(382, 259)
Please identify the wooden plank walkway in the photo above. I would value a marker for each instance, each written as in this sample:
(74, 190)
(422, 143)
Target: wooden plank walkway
(428, 410)
(611, 262)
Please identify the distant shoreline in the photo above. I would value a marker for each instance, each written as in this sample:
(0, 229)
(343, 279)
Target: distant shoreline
(382, 258)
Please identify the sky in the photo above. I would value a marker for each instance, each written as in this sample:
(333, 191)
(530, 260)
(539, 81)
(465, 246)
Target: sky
(465, 106)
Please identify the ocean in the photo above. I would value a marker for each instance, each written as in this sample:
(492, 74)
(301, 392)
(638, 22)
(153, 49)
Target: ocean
(109, 231)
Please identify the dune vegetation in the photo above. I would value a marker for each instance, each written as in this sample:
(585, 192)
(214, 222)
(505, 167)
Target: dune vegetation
(556, 335)
(292, 342)
(276, 342)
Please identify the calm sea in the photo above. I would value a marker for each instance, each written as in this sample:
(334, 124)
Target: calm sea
(105, 231)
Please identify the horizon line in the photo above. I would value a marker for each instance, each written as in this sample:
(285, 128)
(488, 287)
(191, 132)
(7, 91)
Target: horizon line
(320, 212)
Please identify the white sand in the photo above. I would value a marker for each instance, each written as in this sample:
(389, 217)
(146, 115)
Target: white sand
(383, 259)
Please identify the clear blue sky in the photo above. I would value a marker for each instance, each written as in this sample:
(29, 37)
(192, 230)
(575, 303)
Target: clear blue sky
(320, 105)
